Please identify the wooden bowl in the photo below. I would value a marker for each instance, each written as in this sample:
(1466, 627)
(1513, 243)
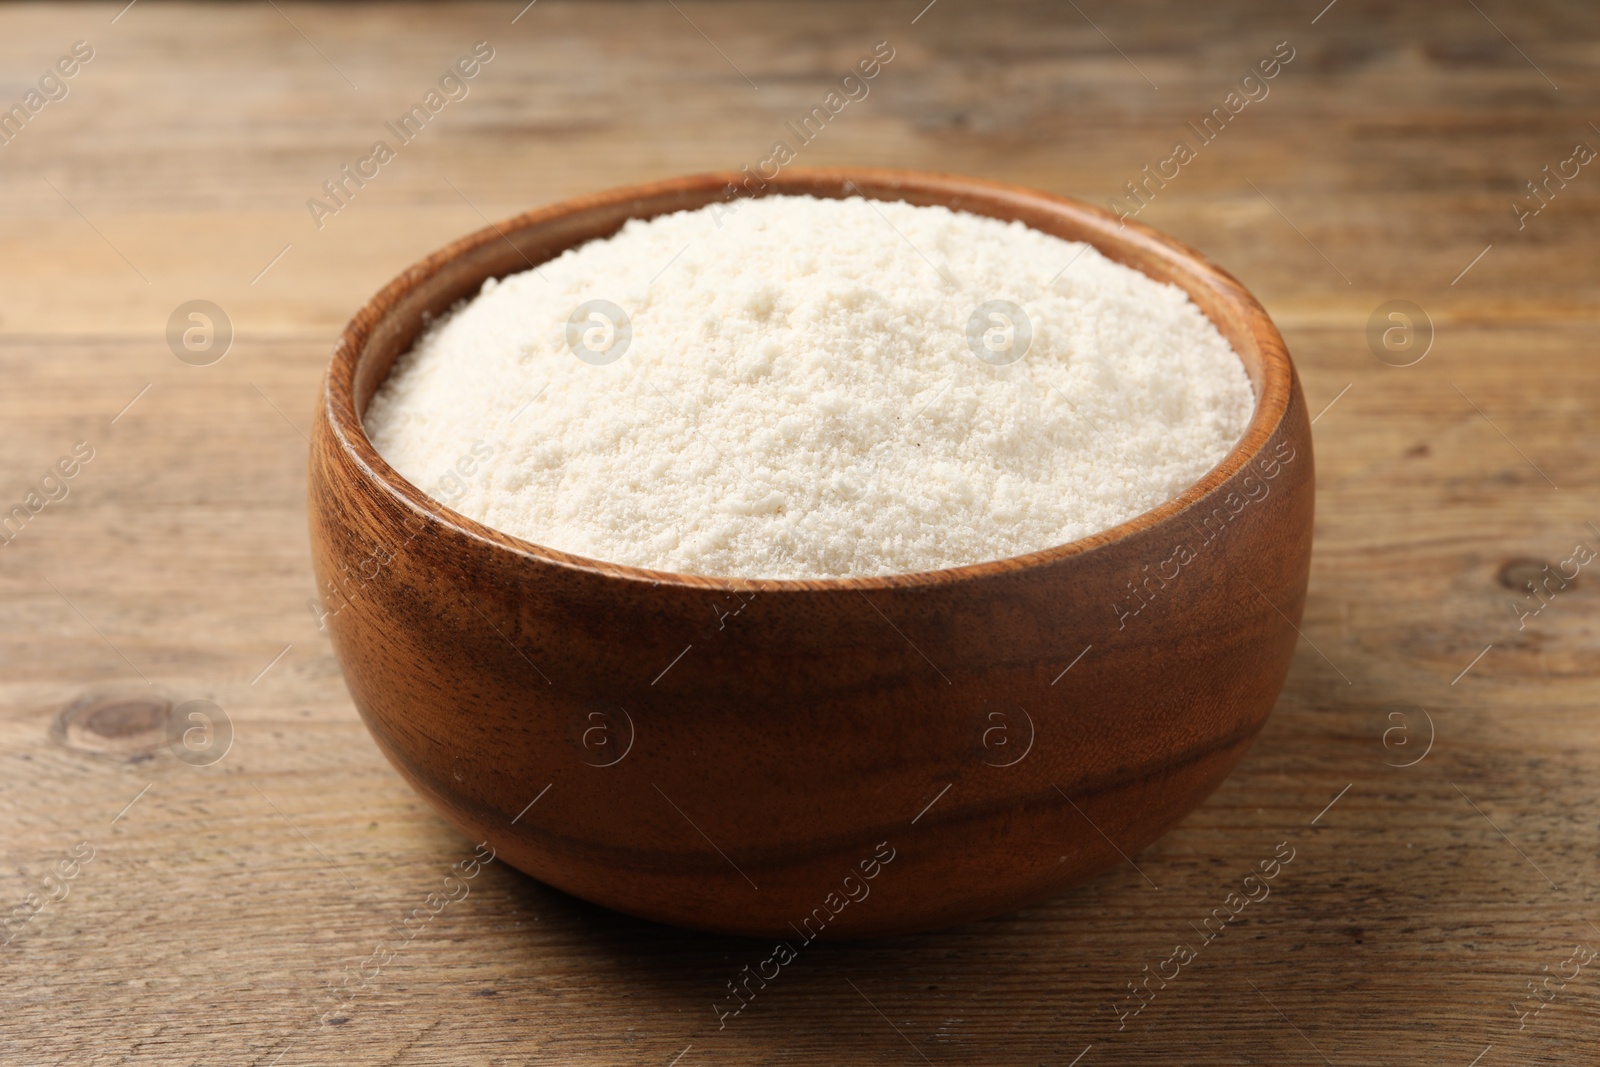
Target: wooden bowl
(834, 758)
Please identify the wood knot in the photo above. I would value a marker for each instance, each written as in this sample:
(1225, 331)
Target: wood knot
(1518, 573)
(119, 725)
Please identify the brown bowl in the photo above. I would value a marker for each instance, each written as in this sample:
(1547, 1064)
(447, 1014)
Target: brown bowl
(836, 758)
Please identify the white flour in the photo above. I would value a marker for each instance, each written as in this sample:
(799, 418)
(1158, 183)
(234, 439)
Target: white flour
(799, 397)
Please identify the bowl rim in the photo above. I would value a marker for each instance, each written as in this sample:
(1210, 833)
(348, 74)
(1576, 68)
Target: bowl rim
(1274, 390)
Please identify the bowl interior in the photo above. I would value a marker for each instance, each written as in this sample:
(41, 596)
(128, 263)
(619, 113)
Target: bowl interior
(391, 322)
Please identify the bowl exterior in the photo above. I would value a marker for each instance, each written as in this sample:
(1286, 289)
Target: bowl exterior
(816, 759)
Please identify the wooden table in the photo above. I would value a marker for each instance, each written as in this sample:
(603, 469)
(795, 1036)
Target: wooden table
(1433, 758)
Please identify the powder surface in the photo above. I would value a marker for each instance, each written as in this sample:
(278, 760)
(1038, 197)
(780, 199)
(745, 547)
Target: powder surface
(800, 394)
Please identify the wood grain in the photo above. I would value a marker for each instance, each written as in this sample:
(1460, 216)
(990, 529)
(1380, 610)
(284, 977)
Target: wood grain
(220, 907)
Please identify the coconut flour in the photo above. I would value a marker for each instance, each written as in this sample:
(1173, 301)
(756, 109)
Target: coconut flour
(807, 388)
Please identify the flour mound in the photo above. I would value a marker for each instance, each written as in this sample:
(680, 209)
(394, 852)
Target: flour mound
(800, 393)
